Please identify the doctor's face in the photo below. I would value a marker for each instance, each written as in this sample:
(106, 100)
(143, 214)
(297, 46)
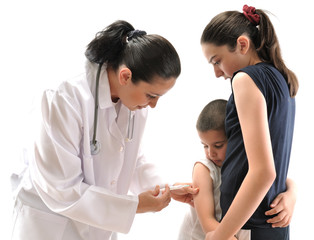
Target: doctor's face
(143, 94)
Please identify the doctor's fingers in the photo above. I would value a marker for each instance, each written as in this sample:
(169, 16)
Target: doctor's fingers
(165, 195)
(150, 202)
(191, 190)
(163, 201)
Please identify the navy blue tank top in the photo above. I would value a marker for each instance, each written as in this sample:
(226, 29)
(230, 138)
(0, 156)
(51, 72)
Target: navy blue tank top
(281, 114)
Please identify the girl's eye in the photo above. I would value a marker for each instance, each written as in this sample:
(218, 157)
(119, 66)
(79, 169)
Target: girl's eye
(205, 146)
(217, 63)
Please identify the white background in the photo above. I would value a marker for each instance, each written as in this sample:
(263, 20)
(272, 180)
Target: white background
(43, 43)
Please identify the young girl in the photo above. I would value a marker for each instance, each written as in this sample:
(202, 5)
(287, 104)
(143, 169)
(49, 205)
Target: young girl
(206, 214)
(260, 115)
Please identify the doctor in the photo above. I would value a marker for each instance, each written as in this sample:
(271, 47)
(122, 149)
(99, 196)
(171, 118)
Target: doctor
(87, 157)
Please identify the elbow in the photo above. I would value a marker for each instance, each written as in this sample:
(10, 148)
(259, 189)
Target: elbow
(269, 176)
(210, 225)
(266, 176)
(272, 176)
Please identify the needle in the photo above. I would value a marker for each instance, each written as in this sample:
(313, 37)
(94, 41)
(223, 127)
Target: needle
(175, 187)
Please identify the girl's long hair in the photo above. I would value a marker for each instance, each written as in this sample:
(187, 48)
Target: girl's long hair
(226, 27)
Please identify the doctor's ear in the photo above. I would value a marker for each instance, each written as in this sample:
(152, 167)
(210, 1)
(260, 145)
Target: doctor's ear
(125, 76)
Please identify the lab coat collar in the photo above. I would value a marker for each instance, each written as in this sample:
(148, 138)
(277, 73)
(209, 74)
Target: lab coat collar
(104, 87)
(105, 100)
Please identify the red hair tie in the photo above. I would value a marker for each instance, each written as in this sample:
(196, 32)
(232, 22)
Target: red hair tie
(251, 15)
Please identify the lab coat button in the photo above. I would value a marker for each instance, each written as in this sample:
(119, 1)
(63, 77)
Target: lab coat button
(113, 182)
(121, 149)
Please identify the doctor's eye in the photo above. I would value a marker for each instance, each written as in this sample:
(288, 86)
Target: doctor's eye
(150, 96)
(217, 62)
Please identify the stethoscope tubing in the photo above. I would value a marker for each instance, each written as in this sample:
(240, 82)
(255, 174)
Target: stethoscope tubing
(94, 145)
(96, 103)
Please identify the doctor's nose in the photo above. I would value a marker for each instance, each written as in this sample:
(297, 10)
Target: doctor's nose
(153, 102)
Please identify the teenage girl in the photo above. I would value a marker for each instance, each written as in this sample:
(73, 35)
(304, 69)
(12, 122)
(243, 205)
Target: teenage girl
(260, 116)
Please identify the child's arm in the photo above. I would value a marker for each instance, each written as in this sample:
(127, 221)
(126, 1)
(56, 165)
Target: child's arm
(252, 112)
(283, 205)
(204, 201)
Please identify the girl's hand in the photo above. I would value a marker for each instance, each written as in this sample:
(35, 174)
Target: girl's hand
(283, 206)
(151, 201)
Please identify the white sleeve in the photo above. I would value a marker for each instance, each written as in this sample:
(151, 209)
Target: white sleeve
(58, 175)
(146, 176)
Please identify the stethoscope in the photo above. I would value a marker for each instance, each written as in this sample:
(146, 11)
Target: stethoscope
(94, 144)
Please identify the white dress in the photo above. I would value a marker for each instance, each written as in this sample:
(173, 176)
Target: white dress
(191, 228)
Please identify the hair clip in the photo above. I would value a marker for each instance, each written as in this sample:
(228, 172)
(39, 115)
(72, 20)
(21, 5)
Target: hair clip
(251, 15)
(134, 34)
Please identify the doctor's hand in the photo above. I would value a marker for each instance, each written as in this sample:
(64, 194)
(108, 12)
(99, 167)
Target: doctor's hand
(185, 194)
(152, 201)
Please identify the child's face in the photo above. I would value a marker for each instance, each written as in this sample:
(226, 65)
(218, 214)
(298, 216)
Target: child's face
(215, 145)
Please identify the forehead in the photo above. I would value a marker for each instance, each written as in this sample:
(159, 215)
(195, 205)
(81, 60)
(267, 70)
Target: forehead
(158, 85)
(211, 51)
(212, 136)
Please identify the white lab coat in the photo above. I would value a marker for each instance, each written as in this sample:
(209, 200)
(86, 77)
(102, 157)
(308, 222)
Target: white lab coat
(67, 193)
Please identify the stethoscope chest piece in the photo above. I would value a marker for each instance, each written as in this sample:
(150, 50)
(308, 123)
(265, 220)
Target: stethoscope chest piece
(95, 147)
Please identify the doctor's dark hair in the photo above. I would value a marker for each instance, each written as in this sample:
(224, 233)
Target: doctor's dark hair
(212, 117)
(146, 56)
(225, 28)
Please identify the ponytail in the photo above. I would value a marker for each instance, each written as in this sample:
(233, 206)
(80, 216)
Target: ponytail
(108, 44)
(226, 27)
(269, 51)
(145, 55)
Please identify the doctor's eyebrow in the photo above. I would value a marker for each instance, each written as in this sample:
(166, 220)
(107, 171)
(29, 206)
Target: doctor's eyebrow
(211, 59)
